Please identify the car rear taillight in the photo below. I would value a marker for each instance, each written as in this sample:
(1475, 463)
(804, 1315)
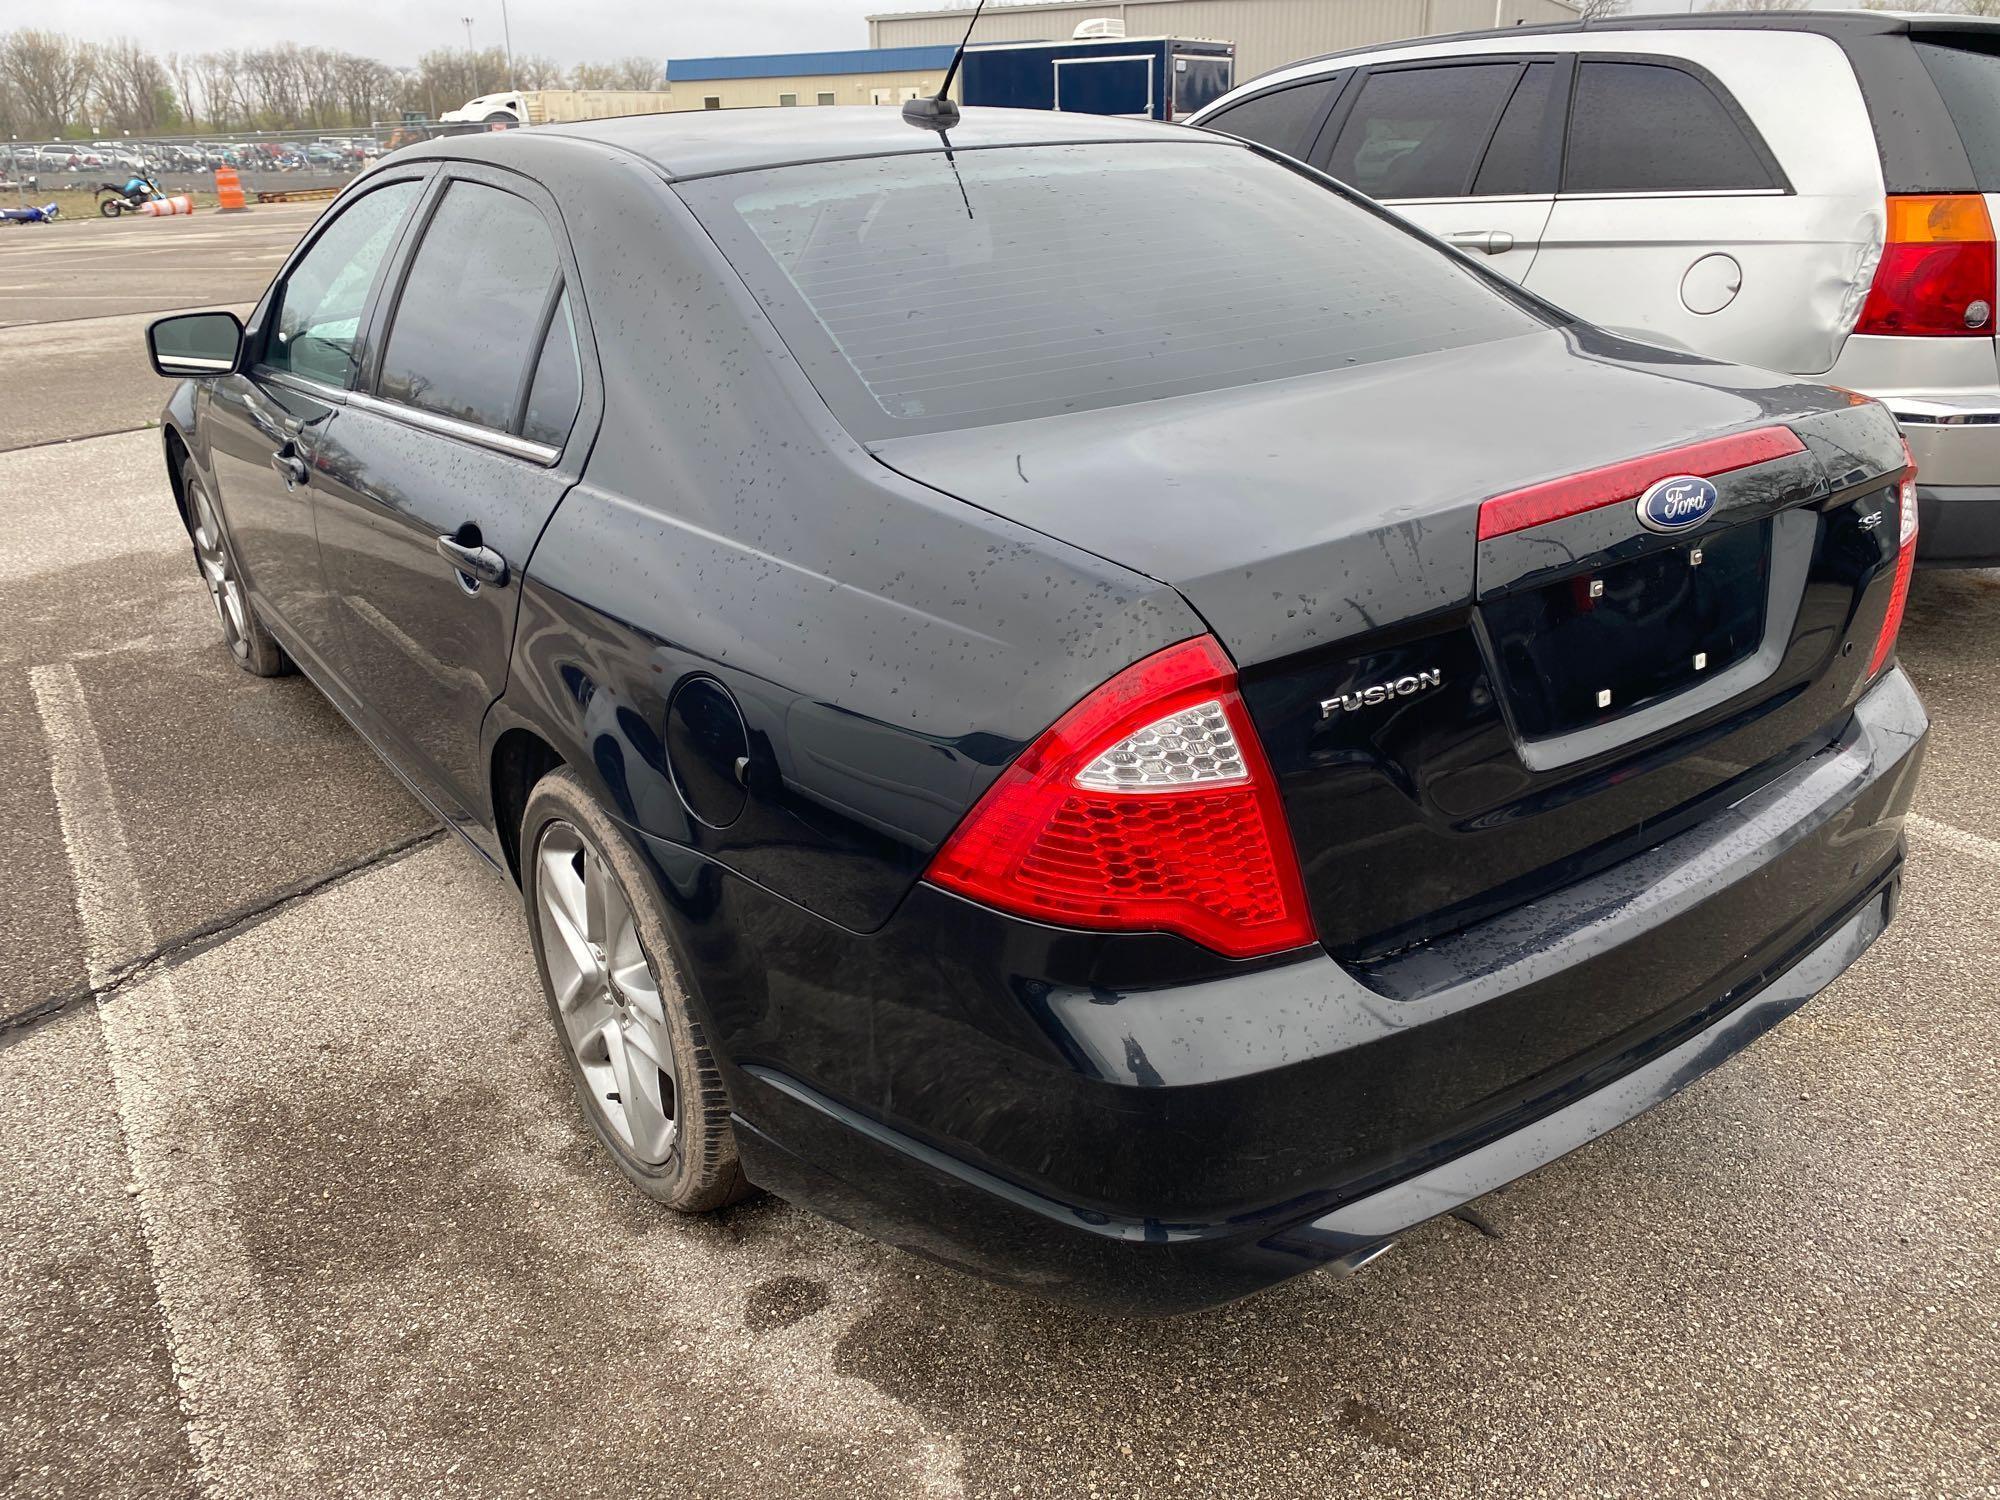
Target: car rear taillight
(1147, 807)
(1936, 277)
(1906, 564)
(1574, 494)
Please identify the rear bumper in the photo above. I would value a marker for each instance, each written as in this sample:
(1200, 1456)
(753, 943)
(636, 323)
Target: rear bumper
(1171, 1147)
(1956, 444)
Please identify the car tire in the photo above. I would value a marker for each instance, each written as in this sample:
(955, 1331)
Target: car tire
(255, 649)
(620, 1009)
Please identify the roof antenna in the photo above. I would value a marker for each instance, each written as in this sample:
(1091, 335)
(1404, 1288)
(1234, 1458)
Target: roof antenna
(941, 113)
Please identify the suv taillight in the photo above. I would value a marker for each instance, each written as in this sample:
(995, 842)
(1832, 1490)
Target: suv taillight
(1906, 564)
(1148, 807)
(1936, 278)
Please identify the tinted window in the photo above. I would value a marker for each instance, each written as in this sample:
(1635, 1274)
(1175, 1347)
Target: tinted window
(471, 307)
(1522, 158)
(1646, 128)
(319, 308)
(924, 293)
(1200, 81)
(558, 386)
(1969, 83)
(1279, 119)
(1419, 132)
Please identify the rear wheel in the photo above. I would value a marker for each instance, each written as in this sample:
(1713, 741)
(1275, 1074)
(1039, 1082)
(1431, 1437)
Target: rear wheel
(110, 208)
(256, 650)
(637, 1055)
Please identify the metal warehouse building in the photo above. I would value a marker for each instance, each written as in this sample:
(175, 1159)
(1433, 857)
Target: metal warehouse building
(1267, 33)
(867, 75)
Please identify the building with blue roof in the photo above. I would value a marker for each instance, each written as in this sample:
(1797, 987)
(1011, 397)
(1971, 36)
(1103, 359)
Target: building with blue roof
(860, 75)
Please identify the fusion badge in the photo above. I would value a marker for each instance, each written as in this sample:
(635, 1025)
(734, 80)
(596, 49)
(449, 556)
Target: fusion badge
(1677, 503)
(1380, 692)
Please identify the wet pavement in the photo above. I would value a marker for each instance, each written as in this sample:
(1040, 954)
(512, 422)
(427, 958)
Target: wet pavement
(294, 1199)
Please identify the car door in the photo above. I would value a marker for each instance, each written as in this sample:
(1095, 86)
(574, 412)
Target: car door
(1465, 147)
(1674, 219)
(263, 426)
(439, 476)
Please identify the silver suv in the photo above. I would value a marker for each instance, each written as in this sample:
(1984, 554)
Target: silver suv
(1812, 192)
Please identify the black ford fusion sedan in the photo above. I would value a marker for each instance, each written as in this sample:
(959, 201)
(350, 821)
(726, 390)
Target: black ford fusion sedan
(1071, 694)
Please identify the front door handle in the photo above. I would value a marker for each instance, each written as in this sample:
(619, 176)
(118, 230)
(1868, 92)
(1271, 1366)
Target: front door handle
(1485, 241)
(472, 560)
(289, 466)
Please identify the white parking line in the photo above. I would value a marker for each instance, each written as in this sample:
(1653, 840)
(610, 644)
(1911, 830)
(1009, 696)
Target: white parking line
(1973, 845)
(233, 1384)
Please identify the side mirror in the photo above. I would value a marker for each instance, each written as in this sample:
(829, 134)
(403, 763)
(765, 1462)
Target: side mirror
(196, 344)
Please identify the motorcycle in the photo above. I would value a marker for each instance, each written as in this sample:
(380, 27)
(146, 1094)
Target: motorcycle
(45, 215)
(113, 199)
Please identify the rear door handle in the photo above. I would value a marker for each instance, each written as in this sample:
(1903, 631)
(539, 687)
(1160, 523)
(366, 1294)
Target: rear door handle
(1485, 241)
(290, 467)
(472, 560)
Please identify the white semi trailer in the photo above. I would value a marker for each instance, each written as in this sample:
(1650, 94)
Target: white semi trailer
(555, 106)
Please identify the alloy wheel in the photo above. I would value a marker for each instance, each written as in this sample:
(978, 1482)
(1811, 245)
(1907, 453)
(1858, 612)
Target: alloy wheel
(606, 992)
(223, 589)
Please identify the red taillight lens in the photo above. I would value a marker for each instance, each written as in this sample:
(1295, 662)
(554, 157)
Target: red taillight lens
(1906, 564)
(1936, 278)
(1575, 493)
(1147, 807)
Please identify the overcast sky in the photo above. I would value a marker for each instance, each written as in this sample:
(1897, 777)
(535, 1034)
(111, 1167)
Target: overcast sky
(396, 31)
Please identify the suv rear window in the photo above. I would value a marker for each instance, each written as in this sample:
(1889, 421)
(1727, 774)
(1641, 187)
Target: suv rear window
(1968, 80)
(1650, 128)
(924, 292)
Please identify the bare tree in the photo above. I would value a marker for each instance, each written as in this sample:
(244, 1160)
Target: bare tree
(1597, 10)
(215, 76)
(626, 73)
(637, 73)
(533, 72)
(181, 70)
(50, 77)
(453, 76)
(131, 89)
(1755, 5)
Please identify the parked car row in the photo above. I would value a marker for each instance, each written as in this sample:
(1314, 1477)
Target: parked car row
(151, 158)
(1810, 192)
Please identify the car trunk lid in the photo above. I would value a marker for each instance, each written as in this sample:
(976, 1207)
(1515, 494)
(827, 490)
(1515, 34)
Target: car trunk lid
(1460, 723)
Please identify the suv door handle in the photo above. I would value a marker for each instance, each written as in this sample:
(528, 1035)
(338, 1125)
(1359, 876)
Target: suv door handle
(290, 467)
(1485, 241)
(472, 560)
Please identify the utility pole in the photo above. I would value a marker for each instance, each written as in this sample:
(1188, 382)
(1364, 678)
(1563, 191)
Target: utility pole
(507, 39)
(472, 58)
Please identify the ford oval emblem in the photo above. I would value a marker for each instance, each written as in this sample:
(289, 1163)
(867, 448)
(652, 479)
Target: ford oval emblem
(1676, 504)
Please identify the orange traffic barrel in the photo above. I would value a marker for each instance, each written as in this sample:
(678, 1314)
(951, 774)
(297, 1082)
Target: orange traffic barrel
(229, 192)
(176, 205)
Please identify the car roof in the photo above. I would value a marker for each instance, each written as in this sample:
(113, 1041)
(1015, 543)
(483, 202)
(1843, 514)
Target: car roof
(704, 142)
(1842, 25)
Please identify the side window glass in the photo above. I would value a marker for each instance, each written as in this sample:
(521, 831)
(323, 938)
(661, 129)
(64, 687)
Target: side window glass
(471, 307)
(1520, 159)
(557, 389)
(1650, 128)
(1279, 119)
(318, 313)
(1420, 132)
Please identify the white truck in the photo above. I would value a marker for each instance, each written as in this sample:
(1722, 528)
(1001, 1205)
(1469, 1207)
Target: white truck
(554, 106)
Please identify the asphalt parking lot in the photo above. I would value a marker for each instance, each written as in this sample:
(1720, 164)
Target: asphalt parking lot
(293, 1197)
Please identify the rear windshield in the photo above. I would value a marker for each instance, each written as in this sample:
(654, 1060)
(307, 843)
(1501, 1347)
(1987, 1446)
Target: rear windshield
(1968, 79)
(923, 293)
